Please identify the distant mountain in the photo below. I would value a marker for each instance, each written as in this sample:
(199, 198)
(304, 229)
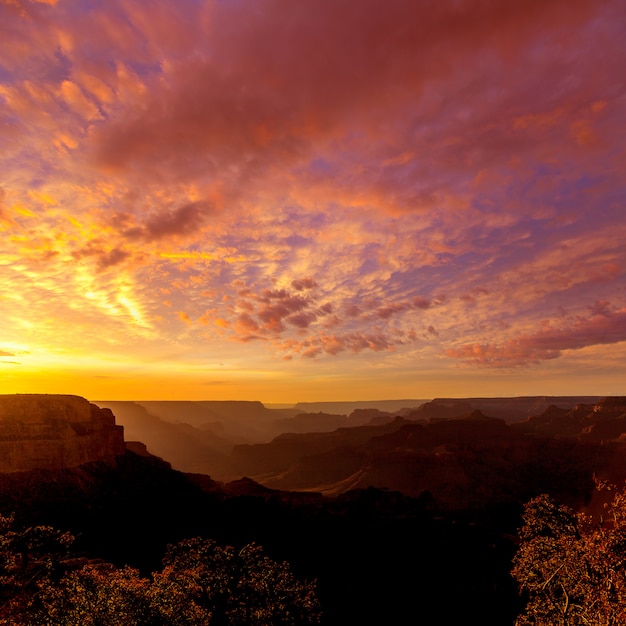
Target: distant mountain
(439, 410)
(230, 440)
(237, 421)
(463, 462)
(278, 455)
(601, 421)
(345, 408)
(519, 408)
(311, 423)
(187, 448)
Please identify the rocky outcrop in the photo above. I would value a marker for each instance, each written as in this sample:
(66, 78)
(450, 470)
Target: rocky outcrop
(601, 421)
(52, 432)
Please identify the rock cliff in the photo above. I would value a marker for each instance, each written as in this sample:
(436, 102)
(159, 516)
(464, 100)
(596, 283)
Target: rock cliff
(39, 431)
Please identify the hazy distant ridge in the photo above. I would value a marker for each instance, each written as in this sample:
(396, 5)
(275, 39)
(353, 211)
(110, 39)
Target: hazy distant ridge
(344, 408)
(520, 408)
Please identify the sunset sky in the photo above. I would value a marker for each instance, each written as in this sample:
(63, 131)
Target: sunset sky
(291, 200)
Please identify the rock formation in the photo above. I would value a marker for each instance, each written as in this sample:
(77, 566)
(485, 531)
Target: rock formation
(51, 432)
(601, 421)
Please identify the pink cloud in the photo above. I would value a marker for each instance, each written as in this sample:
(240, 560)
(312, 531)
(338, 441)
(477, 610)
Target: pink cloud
(422, 303)
(301, 284)
(385, 312)
(325, 61)
(302, 320)
(333, 344)
(274, 314)
(184, 220)
(603, 326)
(354, 342)
(246, 323)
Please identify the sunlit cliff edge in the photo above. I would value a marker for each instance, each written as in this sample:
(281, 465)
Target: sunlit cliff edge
(52, 432)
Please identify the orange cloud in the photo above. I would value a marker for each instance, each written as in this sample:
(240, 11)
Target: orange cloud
(183, 316)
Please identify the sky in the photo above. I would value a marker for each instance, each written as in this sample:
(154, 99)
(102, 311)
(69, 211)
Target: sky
(313, 200)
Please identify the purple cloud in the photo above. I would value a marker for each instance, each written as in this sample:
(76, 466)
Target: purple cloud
(604, 327)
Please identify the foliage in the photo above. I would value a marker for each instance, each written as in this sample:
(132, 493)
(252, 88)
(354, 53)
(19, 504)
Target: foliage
(95, 595)
(570, 567)
(235, 587)
(201, 583)
(28, 559)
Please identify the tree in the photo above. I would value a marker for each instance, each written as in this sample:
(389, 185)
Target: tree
(570, 567)
(28, 559)
(201, 583)
(94, 595)
(234, 587)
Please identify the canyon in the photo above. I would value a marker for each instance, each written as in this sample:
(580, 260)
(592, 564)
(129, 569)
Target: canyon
(381, 511)
(53, 432)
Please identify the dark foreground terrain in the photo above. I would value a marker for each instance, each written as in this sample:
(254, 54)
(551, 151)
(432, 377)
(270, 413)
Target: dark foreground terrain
(434, 536)
(378, 556)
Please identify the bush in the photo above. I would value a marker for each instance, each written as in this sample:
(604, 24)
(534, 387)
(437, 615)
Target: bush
(201, 583)
(570, 567)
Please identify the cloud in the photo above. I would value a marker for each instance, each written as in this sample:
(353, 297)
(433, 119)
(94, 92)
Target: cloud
(302, 320)
(388, 310)
(422, 303)
(603, 326)
(300, 284)
(3, 197)
(105, 258)
(246, 323)
(183, 316)
(5, 353)
(333, 64)
(182, 221)
(315, 176)
(335, 344)
(112, 258)
(391, 309)
(273, 315)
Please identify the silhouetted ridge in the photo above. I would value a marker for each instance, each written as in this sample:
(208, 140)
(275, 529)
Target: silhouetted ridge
(520, 408)
(602, 421)
(470, 460)
(439, 410)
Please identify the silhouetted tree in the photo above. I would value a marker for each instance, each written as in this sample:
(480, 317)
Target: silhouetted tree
(29, 558)
(232, 586)
(570, 567)
(201, 583)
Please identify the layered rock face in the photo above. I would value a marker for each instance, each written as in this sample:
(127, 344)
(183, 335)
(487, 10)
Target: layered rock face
(53, 432)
